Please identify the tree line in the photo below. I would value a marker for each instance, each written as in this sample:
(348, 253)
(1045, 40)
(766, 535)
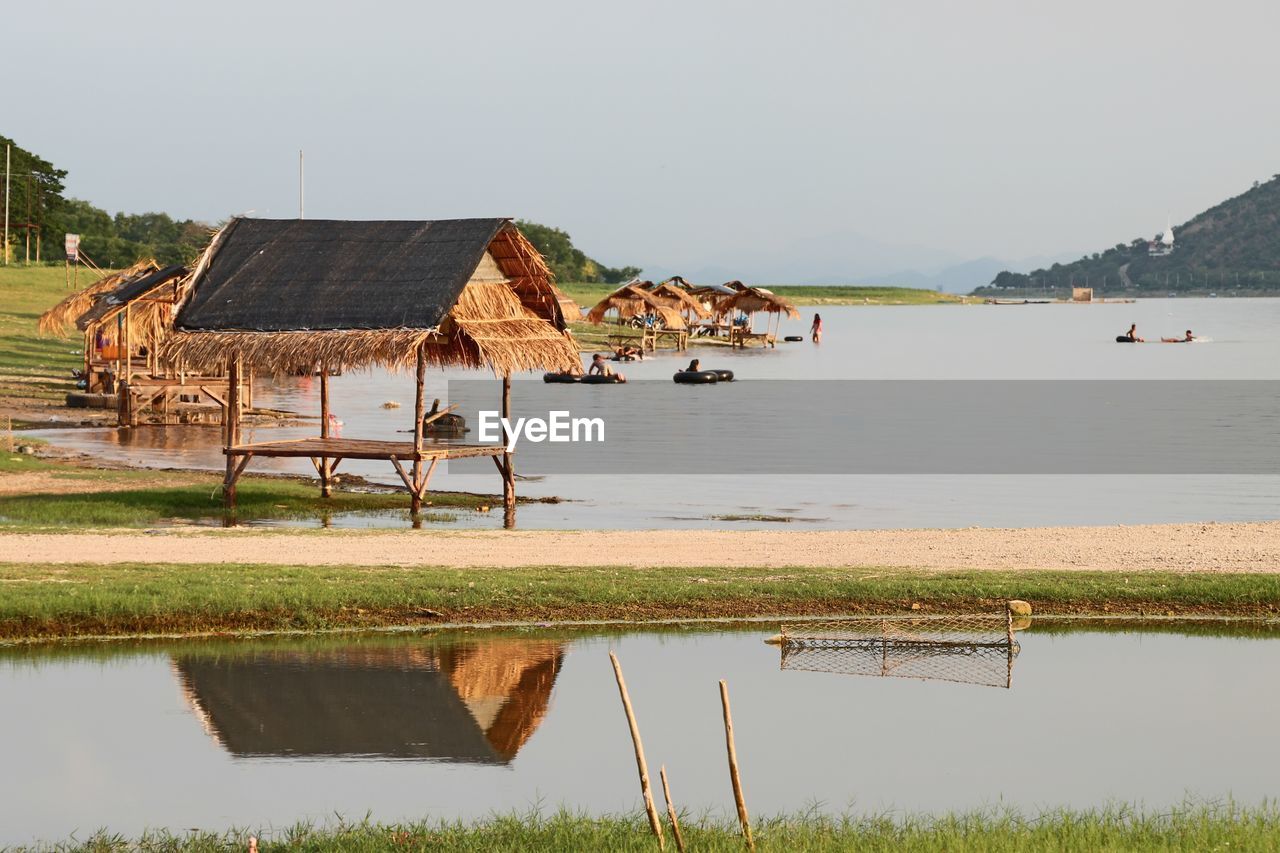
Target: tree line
(40, 215)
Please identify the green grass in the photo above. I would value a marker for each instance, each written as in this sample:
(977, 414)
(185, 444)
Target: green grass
(25, 293)
(255, 499)
(1186, 828)
(153, 502)
(143, 598)
(588, 294)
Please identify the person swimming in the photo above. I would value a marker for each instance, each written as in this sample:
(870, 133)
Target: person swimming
(1185, 340)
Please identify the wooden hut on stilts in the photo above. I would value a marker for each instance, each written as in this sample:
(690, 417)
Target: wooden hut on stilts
(124, 318)
(750, 301)
(290, 296)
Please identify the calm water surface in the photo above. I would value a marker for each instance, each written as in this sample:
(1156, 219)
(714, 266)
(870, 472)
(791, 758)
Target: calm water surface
(908, 342)
(263, 733)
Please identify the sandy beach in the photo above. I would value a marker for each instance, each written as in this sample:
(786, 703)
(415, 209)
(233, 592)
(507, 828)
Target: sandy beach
(1209, 547)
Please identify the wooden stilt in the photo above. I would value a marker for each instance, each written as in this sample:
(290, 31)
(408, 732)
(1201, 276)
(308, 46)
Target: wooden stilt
(232, 430)
(419, 411)
(641, 765)
(323, 468)
(671, 809)
(734, 778)
(508, 470)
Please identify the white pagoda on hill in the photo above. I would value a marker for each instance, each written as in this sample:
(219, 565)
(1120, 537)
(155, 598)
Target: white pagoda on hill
(1164, 245)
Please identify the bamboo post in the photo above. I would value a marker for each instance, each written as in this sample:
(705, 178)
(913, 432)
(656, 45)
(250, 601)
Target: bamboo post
(508, 471)
(419, 412)
(671, 809)
(325, 488)
(641, 765)
(232, 430)
(738, 798)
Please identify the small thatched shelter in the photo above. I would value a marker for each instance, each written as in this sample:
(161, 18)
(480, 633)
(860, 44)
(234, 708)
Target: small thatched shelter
(130, 322)
(751, 301)
(633, 300)
(284, 296)
(679, 299)
(62, 318)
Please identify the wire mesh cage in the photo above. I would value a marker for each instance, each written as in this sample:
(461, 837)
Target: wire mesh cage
(970, 649)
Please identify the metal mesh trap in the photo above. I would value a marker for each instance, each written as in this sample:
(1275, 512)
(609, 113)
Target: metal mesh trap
(970, 649)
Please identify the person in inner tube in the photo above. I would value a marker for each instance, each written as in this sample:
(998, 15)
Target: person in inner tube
(695, 366)
(600, 367)
(1132, 334)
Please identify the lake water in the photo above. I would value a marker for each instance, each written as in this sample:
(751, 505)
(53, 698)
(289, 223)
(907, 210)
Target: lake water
(908, 342)
(265, 732)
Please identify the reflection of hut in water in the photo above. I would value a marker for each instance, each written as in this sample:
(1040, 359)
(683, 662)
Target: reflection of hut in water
(472, 702)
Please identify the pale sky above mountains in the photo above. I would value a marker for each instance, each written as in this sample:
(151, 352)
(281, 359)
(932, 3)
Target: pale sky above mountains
(825, 138)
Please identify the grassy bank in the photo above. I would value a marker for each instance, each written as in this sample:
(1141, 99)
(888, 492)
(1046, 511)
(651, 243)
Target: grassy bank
(1226, 827)
(59, 495)
(588, 294)
(32, 366)
(149, 598)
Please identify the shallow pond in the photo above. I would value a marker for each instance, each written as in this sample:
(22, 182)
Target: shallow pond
(266, 732)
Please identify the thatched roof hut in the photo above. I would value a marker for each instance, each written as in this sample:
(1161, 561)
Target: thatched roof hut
(149, 300)
(751, 300)
(679, 299)
(633, 300)
(62, 318)
(284, 295)
(290, 296)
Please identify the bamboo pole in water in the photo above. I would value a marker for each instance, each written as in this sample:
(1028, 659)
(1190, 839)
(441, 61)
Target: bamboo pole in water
(654, 823)
(738, 799)
(671, 809)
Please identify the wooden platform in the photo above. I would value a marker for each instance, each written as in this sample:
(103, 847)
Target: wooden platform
(650, 337)
(326, 453)
(355, 448)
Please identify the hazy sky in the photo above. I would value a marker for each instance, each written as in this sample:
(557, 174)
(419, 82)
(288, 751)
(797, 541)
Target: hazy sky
(664, 133)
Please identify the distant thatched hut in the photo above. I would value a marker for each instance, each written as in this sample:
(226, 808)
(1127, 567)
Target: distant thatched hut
(283, 296)
(751, 301)
(62, 318)
(634, 300)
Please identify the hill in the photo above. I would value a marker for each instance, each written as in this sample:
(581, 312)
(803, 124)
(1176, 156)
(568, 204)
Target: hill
(1232, 248)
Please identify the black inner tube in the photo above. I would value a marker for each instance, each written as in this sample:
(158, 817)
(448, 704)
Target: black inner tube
(566, 378)
(794, 338)
(700, 377)
(601, 379)
(724, 375)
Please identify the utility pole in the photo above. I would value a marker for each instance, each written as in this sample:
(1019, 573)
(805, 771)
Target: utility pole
(7, 150)
(300, 216)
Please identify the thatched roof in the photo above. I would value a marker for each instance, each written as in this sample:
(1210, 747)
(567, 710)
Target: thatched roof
(143, 288)
(288, 294)
(61, 318)
(632, 300)
(753, 299)
(678, 299)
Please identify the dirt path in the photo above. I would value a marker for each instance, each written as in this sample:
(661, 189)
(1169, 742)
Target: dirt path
(1251, 547)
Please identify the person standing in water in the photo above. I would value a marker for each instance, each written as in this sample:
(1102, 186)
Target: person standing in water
(815, 331)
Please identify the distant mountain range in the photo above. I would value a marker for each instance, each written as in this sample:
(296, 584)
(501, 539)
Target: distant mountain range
(1231, 247)
(850, 258)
